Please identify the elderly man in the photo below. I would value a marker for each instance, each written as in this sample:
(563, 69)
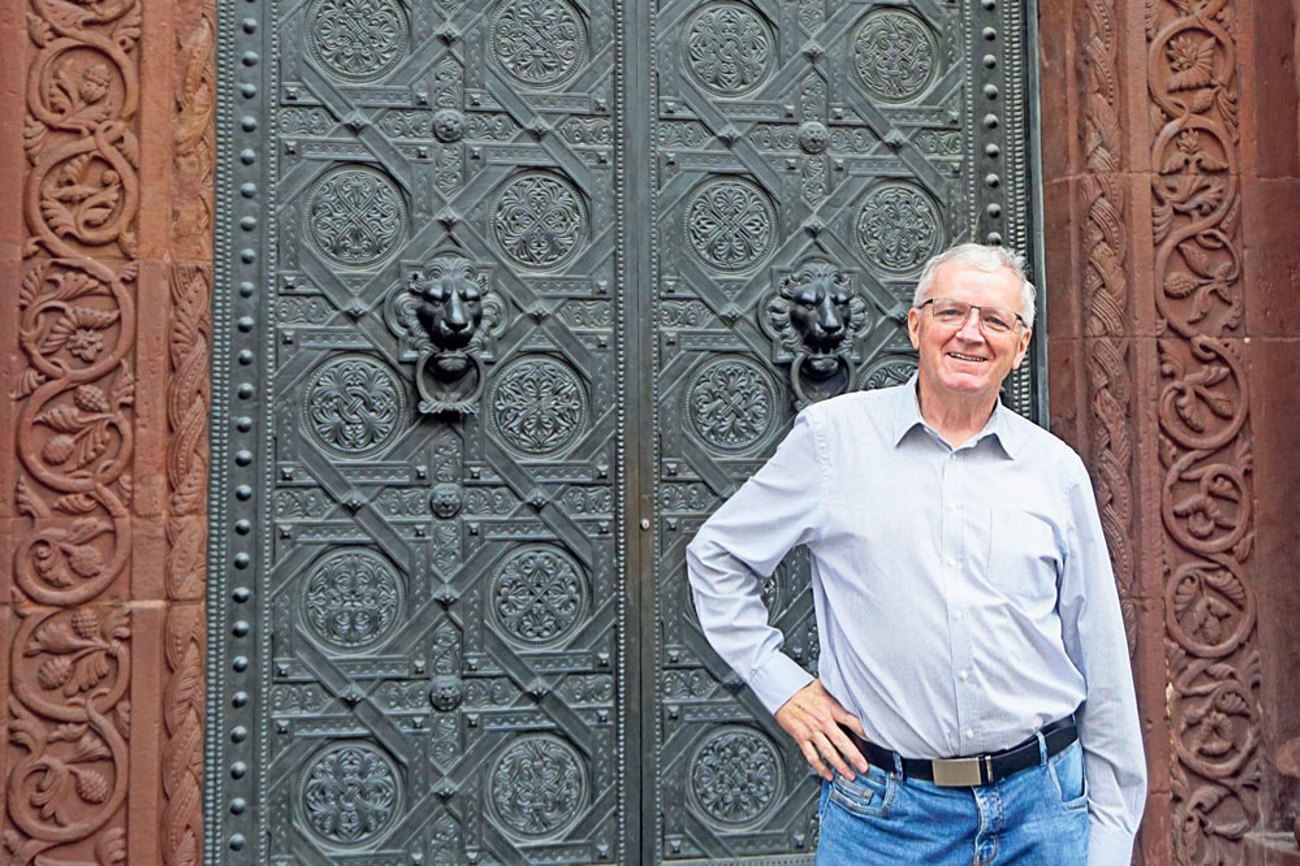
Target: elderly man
(974, 668)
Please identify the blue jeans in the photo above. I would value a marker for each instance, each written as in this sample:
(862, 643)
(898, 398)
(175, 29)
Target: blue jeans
(1037, 817)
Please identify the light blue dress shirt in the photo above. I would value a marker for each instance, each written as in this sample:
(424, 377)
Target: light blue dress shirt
(964, 596)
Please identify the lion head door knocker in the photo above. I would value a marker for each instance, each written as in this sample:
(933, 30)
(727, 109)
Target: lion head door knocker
(450, 315)
(816, 319)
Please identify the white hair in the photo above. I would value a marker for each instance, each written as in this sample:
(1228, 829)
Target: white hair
(984, 258)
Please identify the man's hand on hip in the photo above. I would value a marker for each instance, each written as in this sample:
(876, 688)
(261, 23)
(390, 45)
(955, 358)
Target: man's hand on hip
(813, 718)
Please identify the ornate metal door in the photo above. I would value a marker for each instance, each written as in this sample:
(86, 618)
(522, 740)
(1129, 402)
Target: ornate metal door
(513, 295)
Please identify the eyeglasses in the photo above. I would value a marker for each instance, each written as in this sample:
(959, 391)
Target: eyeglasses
(954, 313)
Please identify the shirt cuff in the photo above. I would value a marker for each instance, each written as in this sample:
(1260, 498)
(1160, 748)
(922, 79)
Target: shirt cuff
(777, 681)
(1108, 846)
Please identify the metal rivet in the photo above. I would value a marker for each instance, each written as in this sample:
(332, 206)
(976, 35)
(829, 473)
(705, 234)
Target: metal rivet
(238, 734)
(992, 180)
(246, 323)
(993, 239)
(241, 594)
(990, 33)
(990, 62)
(248, 223)
(242, 561)
(238, 805)
(241, 628)
(250, 25)
(244, 424)
(994, 210)
(243, 458)
(248, 89)
(239, 664)
(250, 58)
(243, 527)
(237, 842)
(245, 391)
(243, 492)
(239, 699)
(991, 91)
(246, 289)
(245, 357)
(248, 123)
(248, 190)
(238, 770)
(992, 151)
(991, 121)
(247, 156)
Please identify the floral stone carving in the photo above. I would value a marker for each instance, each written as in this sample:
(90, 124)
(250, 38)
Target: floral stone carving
(356, 216)
(899, 227)
(540, 221)
(731, 404)
(730, 224)
(540, 43)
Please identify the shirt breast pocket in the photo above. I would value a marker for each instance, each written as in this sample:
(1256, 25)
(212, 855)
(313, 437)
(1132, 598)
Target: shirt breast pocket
(1024, 555)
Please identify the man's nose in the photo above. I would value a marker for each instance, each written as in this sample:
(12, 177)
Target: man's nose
(970, 328)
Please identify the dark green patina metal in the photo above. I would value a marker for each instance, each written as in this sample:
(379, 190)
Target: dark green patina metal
(511, 295)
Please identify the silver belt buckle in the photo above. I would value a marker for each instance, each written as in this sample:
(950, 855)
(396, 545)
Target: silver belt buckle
(957, 773)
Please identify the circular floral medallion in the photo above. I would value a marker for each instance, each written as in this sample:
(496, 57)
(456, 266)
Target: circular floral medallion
(537, 786)
(539, 594)
(352, 599)
(728, 48)
(895, 55)
(356, 216)
(895, 371)
(540, 43)
(735, 775)
(540, 220)
(730, 224)
(357, 40)
(899, 227)
(354, 405)
(350, 793)
(731, 403)
(538, 405)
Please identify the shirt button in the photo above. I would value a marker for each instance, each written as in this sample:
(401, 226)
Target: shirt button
(957, 615)
(963, 676)
(970, 735)
(952, 456)
(953, 560)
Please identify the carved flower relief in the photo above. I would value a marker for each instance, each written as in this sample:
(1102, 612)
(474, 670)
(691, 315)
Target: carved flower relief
(729, 49)
(735, 775)
(350, 793)
(358, 40)
(542, 43)
(537, 786)
(79, 649)
(895, 55)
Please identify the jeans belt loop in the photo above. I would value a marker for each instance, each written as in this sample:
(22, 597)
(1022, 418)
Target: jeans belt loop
(898, 766)
(1042, 748)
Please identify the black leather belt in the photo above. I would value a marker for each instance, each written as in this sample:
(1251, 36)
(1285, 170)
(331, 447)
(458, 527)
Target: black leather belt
(976, 769)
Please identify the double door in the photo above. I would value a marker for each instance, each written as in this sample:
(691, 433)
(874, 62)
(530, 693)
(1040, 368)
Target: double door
(512, 295)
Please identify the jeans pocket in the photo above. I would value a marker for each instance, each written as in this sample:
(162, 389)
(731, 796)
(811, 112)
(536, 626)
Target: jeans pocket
(1067, 773)
(867, 796)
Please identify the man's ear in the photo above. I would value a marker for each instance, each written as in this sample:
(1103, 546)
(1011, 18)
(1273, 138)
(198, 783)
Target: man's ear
(914, 327)
(1025, 337)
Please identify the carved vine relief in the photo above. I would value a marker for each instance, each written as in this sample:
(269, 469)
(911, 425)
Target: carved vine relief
(70, 655)
(1206, 454)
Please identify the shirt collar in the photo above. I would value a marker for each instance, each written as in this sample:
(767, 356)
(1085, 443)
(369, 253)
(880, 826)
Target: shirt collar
(907, 415)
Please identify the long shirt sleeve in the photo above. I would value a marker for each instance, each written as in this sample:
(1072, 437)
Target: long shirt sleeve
(742, 543)
(1092, 629)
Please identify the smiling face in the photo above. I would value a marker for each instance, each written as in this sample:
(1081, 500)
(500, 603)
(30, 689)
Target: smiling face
(966, 363)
